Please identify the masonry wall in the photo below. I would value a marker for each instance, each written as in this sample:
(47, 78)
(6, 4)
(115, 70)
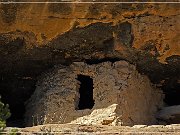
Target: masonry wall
(122, 96)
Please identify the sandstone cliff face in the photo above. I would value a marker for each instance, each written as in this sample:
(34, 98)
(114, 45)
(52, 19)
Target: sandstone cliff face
(35, 37)
(120, 94)
(158, 24)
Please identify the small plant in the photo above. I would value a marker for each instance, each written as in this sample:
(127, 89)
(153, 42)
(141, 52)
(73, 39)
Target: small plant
(4, 114)
(13, 131)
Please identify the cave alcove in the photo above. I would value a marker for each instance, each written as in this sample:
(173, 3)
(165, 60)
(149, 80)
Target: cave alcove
(172, 92)
(15, 92)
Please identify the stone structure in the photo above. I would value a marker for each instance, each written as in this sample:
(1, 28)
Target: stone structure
(120, 96)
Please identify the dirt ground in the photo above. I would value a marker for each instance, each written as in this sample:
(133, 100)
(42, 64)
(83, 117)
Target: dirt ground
(62, 129)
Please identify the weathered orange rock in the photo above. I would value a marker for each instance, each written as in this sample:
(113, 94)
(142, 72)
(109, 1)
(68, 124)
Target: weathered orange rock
(155, 23)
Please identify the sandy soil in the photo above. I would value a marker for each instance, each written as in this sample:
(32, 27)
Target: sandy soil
(98, 129)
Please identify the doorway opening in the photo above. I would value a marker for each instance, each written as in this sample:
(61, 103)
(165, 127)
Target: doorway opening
(86, 100)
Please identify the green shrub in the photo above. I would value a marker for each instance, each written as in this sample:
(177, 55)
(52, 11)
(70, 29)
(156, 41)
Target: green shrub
(13, 132)
(4, 114)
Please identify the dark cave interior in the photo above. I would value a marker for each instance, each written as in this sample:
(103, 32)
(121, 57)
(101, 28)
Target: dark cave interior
(171, 89)
(97, 61)
(16, 100)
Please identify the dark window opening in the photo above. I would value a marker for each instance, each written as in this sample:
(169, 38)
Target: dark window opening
(86, 92)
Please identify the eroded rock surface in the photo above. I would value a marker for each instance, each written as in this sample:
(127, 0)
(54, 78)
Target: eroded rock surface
(121, 96)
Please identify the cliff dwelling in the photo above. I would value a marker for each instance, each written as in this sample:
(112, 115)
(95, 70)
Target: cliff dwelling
(105, 93)
(90, 64)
